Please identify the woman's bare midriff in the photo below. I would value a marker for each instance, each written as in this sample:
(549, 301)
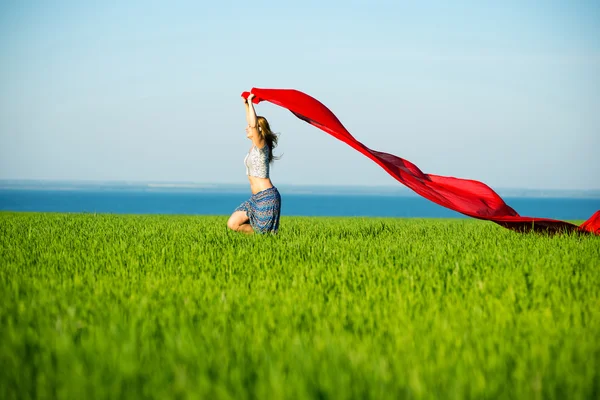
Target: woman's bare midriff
(259, 184)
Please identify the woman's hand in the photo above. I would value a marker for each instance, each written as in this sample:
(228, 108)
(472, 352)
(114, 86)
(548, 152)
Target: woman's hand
(250, 97)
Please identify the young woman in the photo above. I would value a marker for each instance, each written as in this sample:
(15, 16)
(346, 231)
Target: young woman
(260, 213)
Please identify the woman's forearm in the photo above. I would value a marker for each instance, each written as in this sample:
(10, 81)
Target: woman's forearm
(250, 113)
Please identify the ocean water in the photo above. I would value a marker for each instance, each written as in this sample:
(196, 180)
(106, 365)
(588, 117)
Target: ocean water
(215, 203)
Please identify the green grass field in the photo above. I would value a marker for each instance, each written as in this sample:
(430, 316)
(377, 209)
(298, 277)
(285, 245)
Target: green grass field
(110, 306)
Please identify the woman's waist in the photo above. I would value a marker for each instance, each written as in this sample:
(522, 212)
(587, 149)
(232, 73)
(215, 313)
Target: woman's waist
(259, 184)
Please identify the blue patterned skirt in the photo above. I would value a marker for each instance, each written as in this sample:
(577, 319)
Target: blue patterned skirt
(263, 210)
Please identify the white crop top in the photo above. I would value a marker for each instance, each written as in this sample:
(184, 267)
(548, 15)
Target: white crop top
(257, 162)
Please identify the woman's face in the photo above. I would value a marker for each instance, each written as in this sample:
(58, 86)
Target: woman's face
(248, 132)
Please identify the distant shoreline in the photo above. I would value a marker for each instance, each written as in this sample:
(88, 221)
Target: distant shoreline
(163, 186)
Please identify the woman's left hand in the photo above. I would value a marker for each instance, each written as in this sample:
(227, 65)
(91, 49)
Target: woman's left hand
(250, 97)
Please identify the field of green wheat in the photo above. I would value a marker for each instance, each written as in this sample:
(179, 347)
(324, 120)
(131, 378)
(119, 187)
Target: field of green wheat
(116, 306)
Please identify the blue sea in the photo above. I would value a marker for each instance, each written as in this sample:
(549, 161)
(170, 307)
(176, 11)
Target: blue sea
(213, 201)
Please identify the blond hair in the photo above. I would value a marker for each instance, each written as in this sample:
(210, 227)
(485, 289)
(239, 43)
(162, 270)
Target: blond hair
(270, 138)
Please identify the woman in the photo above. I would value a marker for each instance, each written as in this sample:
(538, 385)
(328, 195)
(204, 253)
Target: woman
(260, 213)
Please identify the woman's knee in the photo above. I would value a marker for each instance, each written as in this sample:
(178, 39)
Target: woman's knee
(232, 224)
(236, 220)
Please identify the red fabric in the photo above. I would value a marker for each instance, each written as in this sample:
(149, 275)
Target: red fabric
(468, 197)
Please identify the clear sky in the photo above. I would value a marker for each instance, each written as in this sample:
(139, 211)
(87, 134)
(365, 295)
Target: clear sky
(507, 93)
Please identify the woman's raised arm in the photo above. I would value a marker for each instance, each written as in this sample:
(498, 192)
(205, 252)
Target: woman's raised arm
(250, 112)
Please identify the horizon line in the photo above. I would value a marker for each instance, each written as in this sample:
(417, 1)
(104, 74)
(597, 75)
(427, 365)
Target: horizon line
(174, 184)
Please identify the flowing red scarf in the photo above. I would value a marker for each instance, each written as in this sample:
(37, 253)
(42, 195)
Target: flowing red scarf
(466, 196)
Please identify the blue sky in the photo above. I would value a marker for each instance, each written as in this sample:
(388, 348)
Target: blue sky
(508, 94)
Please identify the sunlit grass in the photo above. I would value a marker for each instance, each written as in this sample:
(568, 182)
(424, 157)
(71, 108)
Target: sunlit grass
(112, 306)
